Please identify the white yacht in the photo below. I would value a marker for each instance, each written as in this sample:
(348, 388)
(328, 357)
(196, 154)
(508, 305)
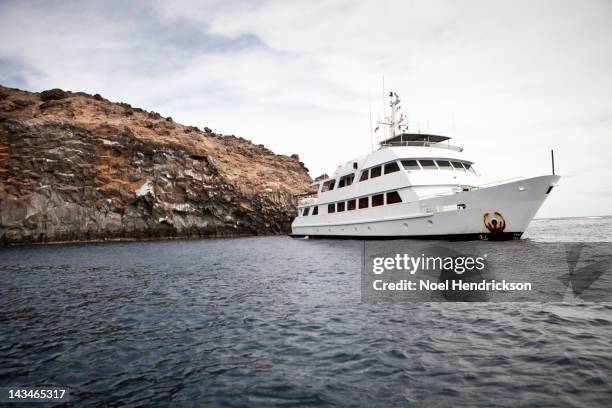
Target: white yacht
(417, 186)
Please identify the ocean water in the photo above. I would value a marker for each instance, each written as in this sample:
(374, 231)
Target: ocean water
(279, 322)
(585, 229)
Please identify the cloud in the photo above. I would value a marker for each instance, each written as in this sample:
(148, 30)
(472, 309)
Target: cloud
(507, 79)
(15, 73)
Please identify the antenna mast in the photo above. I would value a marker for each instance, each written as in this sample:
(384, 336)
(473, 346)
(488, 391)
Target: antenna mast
(383, 104)
(552, 158)
(393, 124)
(371, 133)
(396, 124)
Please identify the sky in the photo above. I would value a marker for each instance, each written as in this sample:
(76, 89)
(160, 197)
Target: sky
(507, 80)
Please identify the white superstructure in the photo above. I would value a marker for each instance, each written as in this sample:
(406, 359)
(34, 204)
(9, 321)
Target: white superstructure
(418, 185)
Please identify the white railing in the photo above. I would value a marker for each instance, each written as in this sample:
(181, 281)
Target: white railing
(424, 143)
(496, 182)
(447, 193)
(308, 199)
(470, 188)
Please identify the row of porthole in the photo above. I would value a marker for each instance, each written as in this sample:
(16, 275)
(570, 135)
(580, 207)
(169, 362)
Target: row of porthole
(341, 229)
(358, 203)
(429, 224)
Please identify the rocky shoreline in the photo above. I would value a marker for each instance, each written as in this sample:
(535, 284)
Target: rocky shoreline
(138, 239)
(79, 168)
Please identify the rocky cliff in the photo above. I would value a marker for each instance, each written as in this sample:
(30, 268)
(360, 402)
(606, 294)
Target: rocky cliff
(77, 167)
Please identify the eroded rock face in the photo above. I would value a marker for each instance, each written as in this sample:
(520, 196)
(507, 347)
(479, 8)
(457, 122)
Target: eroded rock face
(78, 167)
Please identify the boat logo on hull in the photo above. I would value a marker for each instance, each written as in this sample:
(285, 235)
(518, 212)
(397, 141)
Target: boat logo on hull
(496, 224)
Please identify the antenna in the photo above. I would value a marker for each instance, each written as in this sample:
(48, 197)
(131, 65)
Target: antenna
(371, 133)
(383, 104)
(552, 158)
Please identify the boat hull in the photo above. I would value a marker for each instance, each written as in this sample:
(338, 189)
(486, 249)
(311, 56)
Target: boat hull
(499, 212)
(506, 236)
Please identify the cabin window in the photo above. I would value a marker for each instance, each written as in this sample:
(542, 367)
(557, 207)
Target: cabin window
(391, 167)
(346, 180)
(331, 208)
(378, 200)
(375, 172)
(328, 185)
(444, 165)
(469, 167)
(364, 175)
(428, 165)
(315, 210)
(393, 197)
(305, 214)
(355, 165)
(340, 207)
(351, 205)
(410, 165)
(363, 202)
(457, 165)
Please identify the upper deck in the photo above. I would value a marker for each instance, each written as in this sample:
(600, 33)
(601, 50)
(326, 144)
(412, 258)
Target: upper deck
(419, 162)
(419, 139)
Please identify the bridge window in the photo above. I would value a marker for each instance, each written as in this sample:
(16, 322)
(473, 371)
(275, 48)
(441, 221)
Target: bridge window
(328, 185)
(428, 165)
(346, 180)
(331, 208)
(391, 167)
(444, 165)
(410, 165)
(340, 207)
(375, 172)
(351, 205)
(305, 214)
(363, 202)
(378, 200)
(469, 167)
(393, 197)
(364, 175)
(458, 166)
(315, 210)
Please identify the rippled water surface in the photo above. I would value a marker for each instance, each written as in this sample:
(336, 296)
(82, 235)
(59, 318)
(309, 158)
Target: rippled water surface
(276, 321)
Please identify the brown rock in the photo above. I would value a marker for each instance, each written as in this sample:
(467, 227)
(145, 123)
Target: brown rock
(53, 94)
(82, 168)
